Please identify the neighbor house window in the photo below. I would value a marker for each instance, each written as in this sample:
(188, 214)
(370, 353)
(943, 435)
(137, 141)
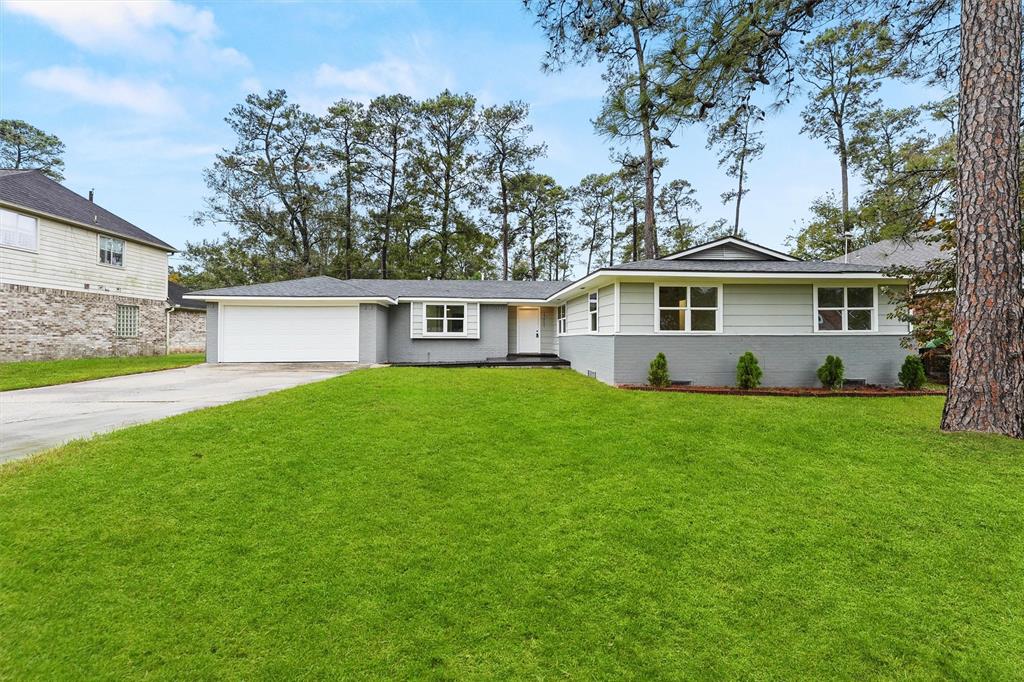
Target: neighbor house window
(111, 251)
(17, 230)
(127, 321)
(445, 318)
(845, 309)
(592, 302)
(562, 326)
(688, 309)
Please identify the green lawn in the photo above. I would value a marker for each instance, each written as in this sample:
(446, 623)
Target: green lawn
(429, 523)
(15, 375)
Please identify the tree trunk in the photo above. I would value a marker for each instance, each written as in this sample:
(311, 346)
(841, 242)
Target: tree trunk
(611, 234)
(743, 170)
(986, 386)
(636, 229)
(844, 172)
(505, 237)
(348, 214)
(645, 124)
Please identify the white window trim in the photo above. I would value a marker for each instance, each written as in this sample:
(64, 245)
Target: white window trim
(688, 332)
(594, 316)
(23, 248)
(99, 250)
(445, 334)
(561, 320)
(845, 308)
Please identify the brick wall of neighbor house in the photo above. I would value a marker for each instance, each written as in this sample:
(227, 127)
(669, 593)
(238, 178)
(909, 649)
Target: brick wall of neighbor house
(187, 331)
(45, 324)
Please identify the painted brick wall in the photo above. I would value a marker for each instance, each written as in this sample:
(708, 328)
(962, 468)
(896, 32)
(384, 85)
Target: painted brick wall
(187, 331)
(493, 341)
(45, 324)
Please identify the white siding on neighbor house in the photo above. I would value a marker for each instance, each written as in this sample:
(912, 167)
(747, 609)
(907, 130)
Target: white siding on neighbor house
(577, 317)
(606, 310)
(67, 257)
(727, 252)
(472, 320)
(749, 309)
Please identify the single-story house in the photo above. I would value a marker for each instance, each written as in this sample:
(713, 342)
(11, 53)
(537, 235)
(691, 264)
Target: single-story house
(186, 321)
(702, 307)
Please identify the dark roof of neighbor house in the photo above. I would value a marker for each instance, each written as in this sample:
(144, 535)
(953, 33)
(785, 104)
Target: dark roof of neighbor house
(329, 287)
(31, 189)
(897, 252)
(726, 266)
(174, 296)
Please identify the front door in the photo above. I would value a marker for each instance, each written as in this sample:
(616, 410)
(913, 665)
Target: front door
(528, 330)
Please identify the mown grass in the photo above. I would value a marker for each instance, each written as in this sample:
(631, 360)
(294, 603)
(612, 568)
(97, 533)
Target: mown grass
(15, 375)
(429, 523)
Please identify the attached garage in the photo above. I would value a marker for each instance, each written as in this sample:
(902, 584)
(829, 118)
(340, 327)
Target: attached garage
(288, 333)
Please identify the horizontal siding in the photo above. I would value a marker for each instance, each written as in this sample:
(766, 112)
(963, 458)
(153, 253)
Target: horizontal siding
(727, 252)
(68, 258)
(636, 308)
(606, 309)
(577, 320)
(886, 306)
(548, 336)
(768, 308)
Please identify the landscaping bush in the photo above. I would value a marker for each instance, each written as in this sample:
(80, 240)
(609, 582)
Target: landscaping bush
(658, 374)
(831, 373)
(912, 373)
(748, 371)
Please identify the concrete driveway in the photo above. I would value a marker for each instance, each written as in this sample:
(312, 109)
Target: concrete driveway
(37, 419)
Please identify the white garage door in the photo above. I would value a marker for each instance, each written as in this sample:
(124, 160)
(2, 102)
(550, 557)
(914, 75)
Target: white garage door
(289, 333)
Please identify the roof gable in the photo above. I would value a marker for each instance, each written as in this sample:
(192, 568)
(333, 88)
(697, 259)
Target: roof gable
(33, 191)
(730, 248)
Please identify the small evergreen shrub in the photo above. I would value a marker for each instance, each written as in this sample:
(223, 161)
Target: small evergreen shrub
(912, 373)
(748, 371)
(658, 373)
(831, 373)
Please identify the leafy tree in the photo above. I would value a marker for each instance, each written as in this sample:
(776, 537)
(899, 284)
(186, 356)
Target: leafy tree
(445, 167)
(675, 201)
(534, 197)
(269, 188)
(387, 136)
(739, 143)
(506, 157)
(628, 36)
(22, 145)
(842, 67)
(344, 127)
(593, 196)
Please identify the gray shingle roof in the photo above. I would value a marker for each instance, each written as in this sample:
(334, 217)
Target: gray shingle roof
(895, 252)
(765, 266)
(315, 287)
(174, 296)
(33, 190)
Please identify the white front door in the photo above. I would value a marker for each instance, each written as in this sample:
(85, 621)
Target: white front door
(527, 330)
(256, 333)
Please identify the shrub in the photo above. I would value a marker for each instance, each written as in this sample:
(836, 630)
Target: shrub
(912, 373)
(831, 373)
(658, 374)
(748, 371)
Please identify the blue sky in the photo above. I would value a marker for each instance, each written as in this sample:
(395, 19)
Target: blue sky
(138, 91)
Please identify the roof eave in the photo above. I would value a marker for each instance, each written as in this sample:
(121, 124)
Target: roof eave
(222, 298)
(167, 248)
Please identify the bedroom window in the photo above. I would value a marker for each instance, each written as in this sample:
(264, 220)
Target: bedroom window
(688, 309)
(592, 302)
(127, 321)
(111, 251)
(845, 309)
(18, 231)
(444, 318)
(562, 325)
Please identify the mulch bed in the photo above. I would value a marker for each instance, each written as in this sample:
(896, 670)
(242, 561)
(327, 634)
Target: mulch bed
(790, 392)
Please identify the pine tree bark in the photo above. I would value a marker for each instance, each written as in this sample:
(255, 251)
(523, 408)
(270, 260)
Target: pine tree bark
(986, 390)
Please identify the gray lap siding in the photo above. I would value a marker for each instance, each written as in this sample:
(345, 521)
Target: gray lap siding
(493, 341)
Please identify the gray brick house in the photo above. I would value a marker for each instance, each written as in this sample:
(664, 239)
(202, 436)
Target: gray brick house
(75, 279)
(703, 308)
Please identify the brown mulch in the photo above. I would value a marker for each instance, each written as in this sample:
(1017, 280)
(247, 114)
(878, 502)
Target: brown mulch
(791, 392)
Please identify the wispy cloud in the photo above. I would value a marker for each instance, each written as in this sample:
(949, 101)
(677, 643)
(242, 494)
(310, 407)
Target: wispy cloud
(159, 30)
(387, 76)
(144, 97)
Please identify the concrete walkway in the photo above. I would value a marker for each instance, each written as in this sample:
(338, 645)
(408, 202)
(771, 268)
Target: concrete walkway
(37, 419)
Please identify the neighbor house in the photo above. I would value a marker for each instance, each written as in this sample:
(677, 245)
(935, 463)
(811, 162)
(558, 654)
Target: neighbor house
(186, 321)
(75, 279)
(702, 307)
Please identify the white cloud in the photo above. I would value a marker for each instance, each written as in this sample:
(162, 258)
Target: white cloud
(385, 77)
(159, 30)
(144, 97)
